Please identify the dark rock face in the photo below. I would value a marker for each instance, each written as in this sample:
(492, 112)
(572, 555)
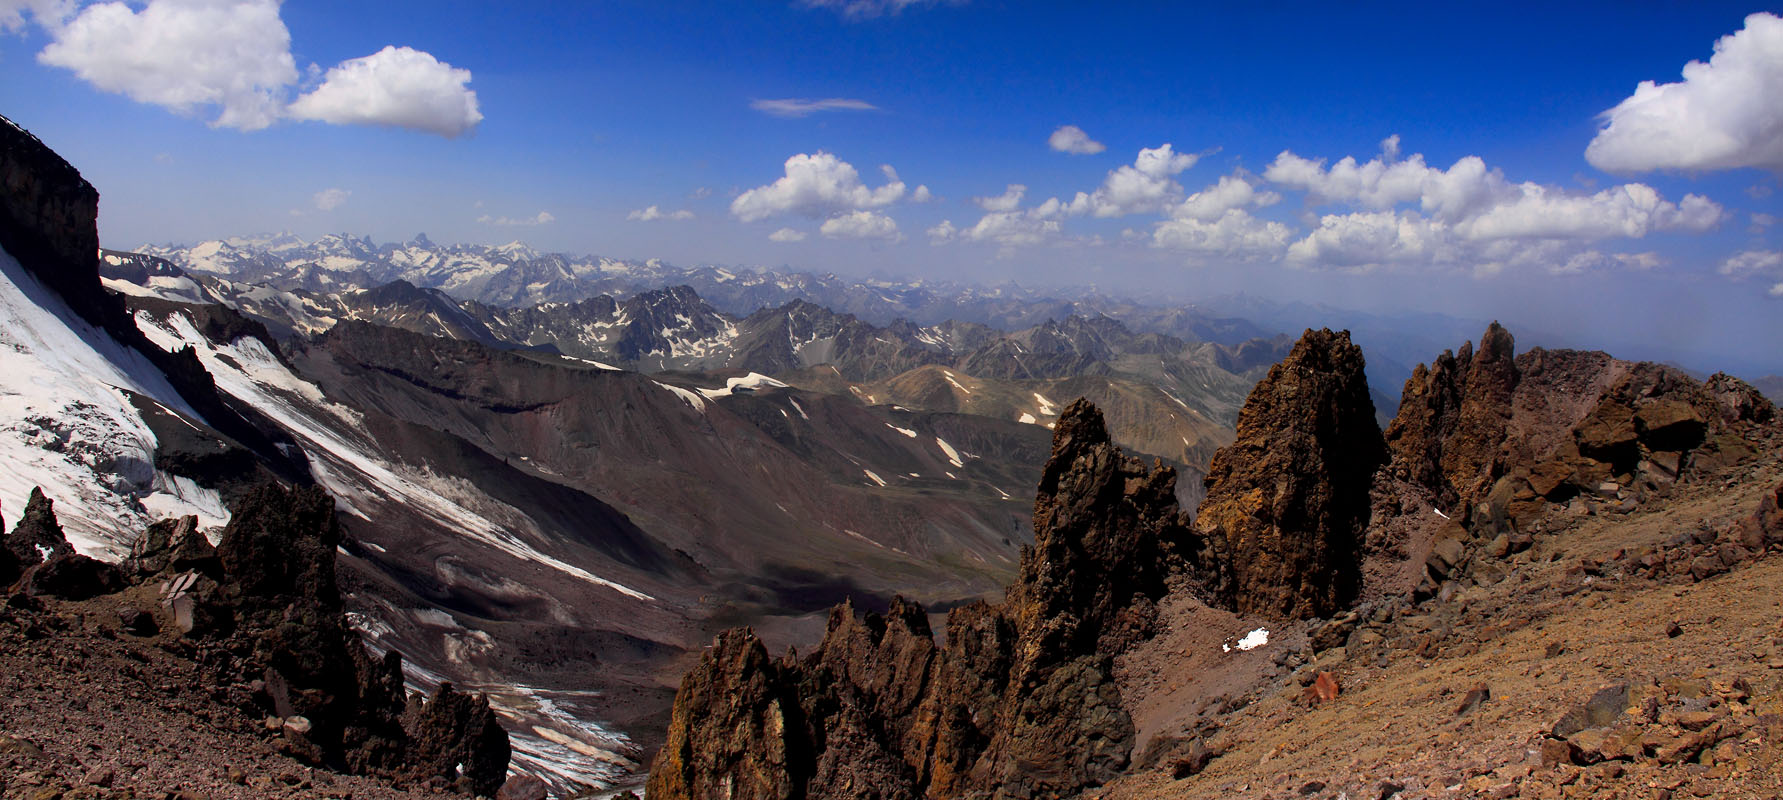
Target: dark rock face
(1452, 418)
(1288, 499)
(1021, 702)
(46, 219)
(37, 537)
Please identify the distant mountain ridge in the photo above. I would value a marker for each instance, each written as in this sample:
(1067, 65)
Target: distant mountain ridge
(516, 275)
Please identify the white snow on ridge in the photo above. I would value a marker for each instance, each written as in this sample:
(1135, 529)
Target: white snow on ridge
(1027, 418)
(66, 424)
(698, 402)
(334, 436)
(874, 476)
(956, 384)
(753, 382)
(1047, 408)
(905, 431)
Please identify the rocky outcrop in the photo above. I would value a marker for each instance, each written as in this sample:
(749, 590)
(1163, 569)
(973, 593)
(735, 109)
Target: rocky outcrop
(1020, 703)
(265, 605)
(1452, 418)
(1287, 501)
(37, 537)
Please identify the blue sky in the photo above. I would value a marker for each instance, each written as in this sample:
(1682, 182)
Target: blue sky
(564, 125)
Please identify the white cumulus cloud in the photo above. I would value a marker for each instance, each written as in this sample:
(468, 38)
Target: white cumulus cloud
(1631, 210)
(860, 225)
(330, 199)
(1146, 185)
(1747, 263)
(542, 218)
(1232, 233)
(1725, 114)
(1009, 200)
(786, 235)
(1371, 239)
(184, 55)
(48, 13)
(795, 107)
(1072, 139)
(397, 87)
(233, 58)
(653, 213)
(1229, 193)
(816, 185)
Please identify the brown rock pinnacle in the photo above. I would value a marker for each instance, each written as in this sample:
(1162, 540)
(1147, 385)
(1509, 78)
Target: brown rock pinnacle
(1287, 500)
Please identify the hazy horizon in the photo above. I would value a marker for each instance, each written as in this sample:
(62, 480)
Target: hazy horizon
(1604, 174)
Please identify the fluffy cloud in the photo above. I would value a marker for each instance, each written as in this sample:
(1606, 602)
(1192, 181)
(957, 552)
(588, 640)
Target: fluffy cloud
(1753, 262)
(855, 10)
(1229, 193)
(653, 213)
(1725, 114)
(1072, 139)
(943, 232)
(1470, 214)
(397, 87)
(795, 107)
(1371, 239)
(1383, 183)
(1589, 260)
(786, 235)
(860, 225)
(1233, 233)
(48, 13)
(1630, 211)
(1013, 229)
(921, 194)
(1009, 200)
(544, 217)
(234, 56)
(1764, 263)
(330, 199)
(183, 55)
(819, 185)
(1146, 185)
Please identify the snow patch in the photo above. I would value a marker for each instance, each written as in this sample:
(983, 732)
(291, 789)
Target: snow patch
(753, 382)
(905, 431)
(1027, 418)
(874, 477)
(953, 456)
(1251, 641)
(1047, 408)
(698, 402)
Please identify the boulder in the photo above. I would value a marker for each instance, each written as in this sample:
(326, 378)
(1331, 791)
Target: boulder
(72, 577)
(1604, 707)
(172, 545)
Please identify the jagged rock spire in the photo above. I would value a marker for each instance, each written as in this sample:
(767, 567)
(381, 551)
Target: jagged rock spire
(1288, 499)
